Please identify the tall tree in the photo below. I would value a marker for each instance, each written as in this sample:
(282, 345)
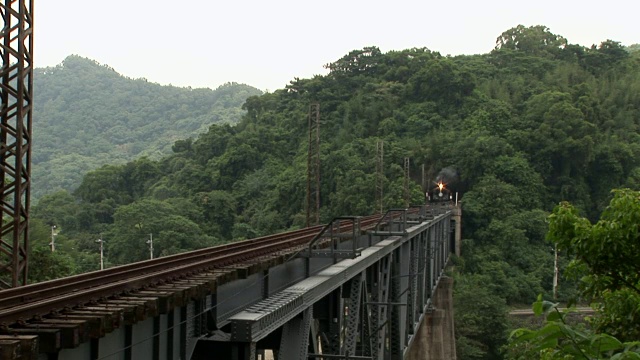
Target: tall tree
(535, 40)
(607, 259)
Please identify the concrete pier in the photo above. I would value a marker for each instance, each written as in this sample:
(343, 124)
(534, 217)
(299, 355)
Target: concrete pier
(435, 339)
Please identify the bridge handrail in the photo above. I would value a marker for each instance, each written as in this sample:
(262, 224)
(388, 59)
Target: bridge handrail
(389, 218)
(333, 236)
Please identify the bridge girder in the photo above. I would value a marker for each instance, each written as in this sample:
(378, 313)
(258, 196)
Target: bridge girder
(369, 307)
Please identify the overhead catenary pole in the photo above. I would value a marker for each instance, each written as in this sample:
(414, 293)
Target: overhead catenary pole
(313, 166)
(380, 175)
(406, 182)
(16, 77)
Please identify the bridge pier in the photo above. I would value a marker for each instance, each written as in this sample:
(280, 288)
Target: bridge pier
(435, 339)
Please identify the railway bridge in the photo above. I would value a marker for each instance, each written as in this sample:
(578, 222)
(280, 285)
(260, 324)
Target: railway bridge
(357, 288)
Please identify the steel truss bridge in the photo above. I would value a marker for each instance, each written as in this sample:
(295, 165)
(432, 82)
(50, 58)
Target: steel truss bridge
(357, 288)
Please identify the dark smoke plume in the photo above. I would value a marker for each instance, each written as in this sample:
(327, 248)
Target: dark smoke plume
(449, 176)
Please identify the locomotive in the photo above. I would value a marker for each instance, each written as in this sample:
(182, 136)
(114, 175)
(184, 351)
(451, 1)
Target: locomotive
(444, 191)
(440, 194)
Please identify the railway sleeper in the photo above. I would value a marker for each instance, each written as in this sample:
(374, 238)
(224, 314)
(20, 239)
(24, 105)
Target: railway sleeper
(139, 308)
(94, 324)
(125, 315)
(166, 300)
(71, 335)
(28, 345)
(49, 340)
(152, 304)
(10, 349)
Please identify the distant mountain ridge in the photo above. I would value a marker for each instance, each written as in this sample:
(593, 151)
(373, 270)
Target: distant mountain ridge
(87, 115)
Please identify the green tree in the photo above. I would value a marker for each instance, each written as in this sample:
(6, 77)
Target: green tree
(59, 209)
(219, 211)
(480, 320)
(356, 62)
(443, 82)
(88, 115)
(45, 264)
(607, 259)
(169, 222)
(559, 340)
(534, 40)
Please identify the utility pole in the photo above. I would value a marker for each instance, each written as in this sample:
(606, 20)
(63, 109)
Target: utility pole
(101, 242)
(53, 239)
(150, 242)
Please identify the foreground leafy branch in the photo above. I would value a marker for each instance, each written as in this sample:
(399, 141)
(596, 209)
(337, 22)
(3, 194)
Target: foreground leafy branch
(607, 258)
(559, 340)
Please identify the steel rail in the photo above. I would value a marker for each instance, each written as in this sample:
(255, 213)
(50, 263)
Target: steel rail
(42, 307)
(44, 289)
(22, 306)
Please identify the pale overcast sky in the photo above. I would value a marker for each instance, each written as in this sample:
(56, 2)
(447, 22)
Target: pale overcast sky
(205, 43)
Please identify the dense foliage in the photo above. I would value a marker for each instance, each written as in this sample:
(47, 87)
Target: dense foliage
(536, 121)
(558, 339)
(607, 262)
(87, 115)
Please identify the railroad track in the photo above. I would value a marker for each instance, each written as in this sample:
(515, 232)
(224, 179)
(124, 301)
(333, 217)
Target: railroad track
(40, 299)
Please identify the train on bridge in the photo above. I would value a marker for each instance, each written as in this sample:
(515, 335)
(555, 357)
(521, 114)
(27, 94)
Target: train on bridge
(441, 194)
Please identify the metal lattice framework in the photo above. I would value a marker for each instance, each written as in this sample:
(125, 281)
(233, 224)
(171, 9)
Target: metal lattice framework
(380, 175)
(407, 193)
(16, 91)
(313, 166)
(368, 307)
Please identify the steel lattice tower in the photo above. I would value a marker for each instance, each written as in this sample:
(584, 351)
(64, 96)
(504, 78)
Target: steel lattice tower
(16, 91)
(313, 166)
(406, 182)
(380, 175)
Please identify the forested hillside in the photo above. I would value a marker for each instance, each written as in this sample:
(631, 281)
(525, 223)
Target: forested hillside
(536, 121)
(87, 115)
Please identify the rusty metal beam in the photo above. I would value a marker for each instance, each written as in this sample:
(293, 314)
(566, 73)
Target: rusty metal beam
(16, 92)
